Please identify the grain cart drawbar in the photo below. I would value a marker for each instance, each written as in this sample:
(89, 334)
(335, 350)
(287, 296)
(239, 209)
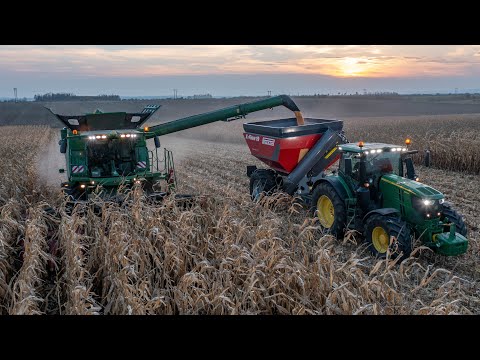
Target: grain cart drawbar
(375, 190)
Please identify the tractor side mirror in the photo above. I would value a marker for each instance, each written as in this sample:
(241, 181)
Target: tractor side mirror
(410, 168)
(63, 146)
(61, 171)
(157, 141)
(426, 160)
(348, 166)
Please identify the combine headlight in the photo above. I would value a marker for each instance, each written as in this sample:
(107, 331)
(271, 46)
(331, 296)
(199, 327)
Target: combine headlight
(98, 137)
(128, 135)
(82, 186)
(379, 151)
(104, 136)
(122, 136)
(404, 149)
(428, 202)
(91, 138)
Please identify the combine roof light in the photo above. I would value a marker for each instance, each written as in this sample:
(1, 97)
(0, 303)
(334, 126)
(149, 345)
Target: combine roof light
(394, 149)
(379, 150)
(75, 132)
(98, 137)
(134, 135)
(104, 136)
(128, 135)
(91, 138)
(146, 129)
(404, 149)
(408, 141)
(122, 136)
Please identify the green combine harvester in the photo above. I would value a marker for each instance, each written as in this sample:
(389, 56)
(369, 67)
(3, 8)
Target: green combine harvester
(106, 151)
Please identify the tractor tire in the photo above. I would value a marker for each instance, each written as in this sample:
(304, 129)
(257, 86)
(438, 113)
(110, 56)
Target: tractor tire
(330, 209)
(262, 182)
(380, 230)
(455, 217)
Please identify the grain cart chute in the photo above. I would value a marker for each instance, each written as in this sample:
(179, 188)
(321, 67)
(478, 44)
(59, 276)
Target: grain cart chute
(375, 190)
(108, 150)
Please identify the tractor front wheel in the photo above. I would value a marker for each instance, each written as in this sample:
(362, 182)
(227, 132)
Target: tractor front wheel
(451, 215)
(388, 234)
(262, 182)
(329, 207)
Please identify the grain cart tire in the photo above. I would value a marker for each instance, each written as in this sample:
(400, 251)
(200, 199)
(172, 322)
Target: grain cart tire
(383, 232)
(329, 207)
(455, 217)
(262, 181)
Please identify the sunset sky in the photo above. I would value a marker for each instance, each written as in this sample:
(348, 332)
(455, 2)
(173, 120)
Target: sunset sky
(141, 70)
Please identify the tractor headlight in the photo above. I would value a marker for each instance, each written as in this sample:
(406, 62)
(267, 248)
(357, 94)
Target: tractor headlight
(428, 202)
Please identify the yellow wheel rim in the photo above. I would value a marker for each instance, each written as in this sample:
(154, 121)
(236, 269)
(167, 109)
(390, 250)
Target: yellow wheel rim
(326, 212)
(380, 239)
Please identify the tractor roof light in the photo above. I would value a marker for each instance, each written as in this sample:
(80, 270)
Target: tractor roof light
(91, 138)
(408, 141)
(104, 136)
(75, 132)
(146, 128)
(128, 135)
(98, 137)
(122, 136)
(361, 144)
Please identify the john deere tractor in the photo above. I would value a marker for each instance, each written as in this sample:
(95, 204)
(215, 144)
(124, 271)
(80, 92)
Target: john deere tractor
(375, 190)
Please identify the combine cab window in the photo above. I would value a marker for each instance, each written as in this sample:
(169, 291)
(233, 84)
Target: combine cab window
(111, 158)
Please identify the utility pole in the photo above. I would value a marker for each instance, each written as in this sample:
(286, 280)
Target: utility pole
(175, 93)
(15, 93)
(269, 93)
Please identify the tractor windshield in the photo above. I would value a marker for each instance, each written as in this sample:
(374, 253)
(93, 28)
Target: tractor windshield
(386, 162)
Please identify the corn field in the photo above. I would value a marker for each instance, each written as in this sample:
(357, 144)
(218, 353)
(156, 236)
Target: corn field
(224, 255)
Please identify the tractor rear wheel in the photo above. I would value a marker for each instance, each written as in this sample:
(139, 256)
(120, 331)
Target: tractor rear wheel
(388, 233)
(329, 207)
(262, 181)
(452, 215)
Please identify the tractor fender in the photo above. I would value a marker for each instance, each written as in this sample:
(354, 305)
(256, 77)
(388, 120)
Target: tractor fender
(337, 185)
(383, 212)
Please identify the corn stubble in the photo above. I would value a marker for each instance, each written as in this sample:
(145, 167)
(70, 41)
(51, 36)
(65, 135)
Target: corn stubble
(224, 255)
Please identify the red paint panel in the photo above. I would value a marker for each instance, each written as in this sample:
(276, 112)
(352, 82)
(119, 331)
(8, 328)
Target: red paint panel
(280, 154)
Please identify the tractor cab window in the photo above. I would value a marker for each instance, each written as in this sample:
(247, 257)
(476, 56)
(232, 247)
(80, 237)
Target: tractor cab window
(355, 164)
(382, 163)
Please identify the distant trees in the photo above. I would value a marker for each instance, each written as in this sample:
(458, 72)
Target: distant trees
(69, 96)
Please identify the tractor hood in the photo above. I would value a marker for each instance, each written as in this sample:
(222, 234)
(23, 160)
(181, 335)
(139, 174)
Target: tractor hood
(106, 121)
(414, 187)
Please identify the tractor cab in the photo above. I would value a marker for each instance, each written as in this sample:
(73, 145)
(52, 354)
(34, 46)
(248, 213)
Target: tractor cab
(378, 158)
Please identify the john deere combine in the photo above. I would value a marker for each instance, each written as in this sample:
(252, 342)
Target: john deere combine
(104, 151)
(375, 190)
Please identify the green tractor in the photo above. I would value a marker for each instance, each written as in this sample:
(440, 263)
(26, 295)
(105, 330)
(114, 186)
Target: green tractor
(375, 190)
(377, 193)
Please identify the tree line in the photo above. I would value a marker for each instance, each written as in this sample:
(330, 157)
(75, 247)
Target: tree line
(69, 96)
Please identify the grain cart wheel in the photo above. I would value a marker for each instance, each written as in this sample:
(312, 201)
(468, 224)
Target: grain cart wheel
(384, 233)
(329, 207)
(453, 216)
(262, 181)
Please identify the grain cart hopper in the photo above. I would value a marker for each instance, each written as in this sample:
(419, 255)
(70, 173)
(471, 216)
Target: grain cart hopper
(375, 190)
(106, 150)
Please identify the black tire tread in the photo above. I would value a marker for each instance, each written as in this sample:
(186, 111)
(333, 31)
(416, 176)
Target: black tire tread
(454, 216)
(396, 227)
